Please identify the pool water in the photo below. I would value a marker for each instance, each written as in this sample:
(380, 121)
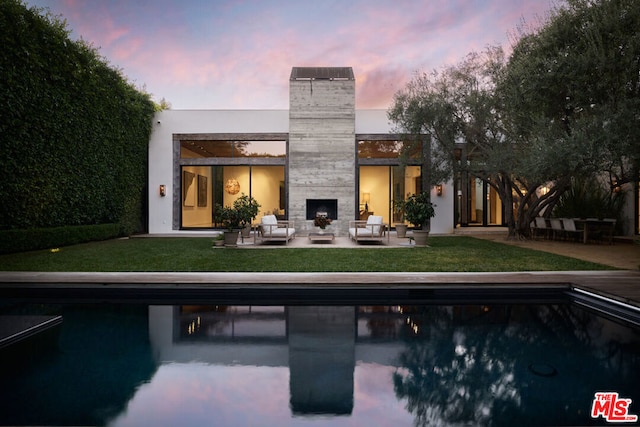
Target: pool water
(195, 365)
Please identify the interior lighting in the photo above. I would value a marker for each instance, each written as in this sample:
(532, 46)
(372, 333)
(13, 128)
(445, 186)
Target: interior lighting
(232, 186)
(366, 198)
(615, 187)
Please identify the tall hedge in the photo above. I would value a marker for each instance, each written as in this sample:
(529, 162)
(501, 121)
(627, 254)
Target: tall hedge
(73, 130)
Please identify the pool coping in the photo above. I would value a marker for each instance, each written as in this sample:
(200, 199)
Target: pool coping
(620, 285)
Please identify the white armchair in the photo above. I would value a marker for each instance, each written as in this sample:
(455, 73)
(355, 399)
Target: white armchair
(272, 230)
(373, 229)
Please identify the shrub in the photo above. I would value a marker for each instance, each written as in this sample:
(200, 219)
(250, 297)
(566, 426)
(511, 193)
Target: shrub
(589, 199)
(74, 131)
(46, 238)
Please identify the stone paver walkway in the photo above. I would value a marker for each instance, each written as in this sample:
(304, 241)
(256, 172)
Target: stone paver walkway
(625, 255)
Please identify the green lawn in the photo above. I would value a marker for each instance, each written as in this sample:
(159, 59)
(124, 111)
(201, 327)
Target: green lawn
(453, 254)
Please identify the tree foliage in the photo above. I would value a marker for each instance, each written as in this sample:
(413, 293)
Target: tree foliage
(459, 110)
(572, 90)
(423, 114)
(563, 106)
(74, 131)
(492, 365)
(576, 83)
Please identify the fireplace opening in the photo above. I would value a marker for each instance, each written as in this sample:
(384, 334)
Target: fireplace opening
(328, 207)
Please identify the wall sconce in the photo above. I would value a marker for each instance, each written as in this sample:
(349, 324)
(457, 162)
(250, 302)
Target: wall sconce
(366, 198)
(439, 190)
(163, 190)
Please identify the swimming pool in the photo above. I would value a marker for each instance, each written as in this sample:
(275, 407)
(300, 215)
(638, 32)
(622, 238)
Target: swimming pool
(477, 362)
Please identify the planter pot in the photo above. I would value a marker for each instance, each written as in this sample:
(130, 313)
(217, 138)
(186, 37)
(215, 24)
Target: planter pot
(231, 238)
(218, 242)
(246, 231)
(421, 237)
(401, 230)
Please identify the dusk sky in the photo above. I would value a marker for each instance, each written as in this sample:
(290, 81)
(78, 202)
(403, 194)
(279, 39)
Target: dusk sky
(235, 54)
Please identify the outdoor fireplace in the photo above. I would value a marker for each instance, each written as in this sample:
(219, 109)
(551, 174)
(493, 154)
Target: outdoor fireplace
(328, 207)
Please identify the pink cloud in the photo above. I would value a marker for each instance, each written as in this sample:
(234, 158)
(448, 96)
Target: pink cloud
(111, 32)
(375, 88)
(102, 32)
(232, 54)
(124, 51)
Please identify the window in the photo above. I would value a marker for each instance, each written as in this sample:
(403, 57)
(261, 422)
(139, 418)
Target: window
(205, 187)
(381, 185)
(232, 149)
(216, 169)
(386, 149)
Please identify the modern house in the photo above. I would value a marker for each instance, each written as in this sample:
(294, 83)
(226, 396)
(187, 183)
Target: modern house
(321, 155)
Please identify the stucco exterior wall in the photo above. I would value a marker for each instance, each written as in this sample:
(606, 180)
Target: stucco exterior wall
(373, 121)
(161, 150)
(327, 159)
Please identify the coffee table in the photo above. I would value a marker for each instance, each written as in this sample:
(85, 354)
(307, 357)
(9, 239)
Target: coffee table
(322, 237)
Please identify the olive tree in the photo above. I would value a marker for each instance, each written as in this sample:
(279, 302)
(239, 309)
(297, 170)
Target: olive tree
(563, 106)
(459, 111)
(572, 90)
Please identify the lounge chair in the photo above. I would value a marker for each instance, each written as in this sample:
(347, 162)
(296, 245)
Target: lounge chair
(272, 230)
(570, 229)
(539, 226)
(371, 230)
(556, 228)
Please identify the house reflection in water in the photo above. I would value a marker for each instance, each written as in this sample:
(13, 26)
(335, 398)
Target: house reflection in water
(468, 364)
(316, 343)
(321, 359)
(453, 364)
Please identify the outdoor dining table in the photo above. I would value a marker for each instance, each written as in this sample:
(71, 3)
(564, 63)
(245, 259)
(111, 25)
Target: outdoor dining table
(593, 226)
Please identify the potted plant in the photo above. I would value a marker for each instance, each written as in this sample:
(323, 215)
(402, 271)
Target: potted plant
(419, 210)
(228, 217)
(399, 206)
(247, 208)
(218, 240)
(236, 217)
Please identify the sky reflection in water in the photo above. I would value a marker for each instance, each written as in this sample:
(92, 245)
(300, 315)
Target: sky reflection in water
(199, 394)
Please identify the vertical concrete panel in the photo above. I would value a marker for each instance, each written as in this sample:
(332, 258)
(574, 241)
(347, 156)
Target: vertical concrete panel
(322, 153)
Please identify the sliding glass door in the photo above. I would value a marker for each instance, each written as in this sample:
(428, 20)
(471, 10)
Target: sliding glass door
(205, 187)
(379, 186)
